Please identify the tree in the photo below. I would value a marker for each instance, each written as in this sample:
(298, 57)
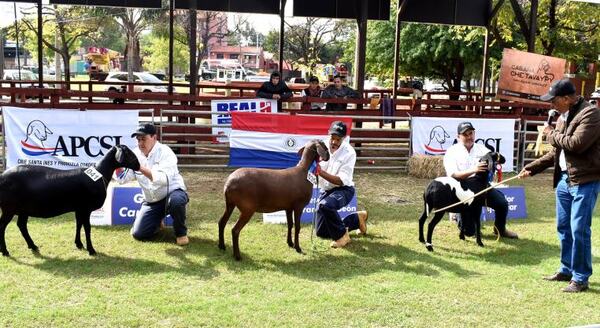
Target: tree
(71, 24)
(156, 59)
(450, 53)
(133, 22)
(310, 41)
(246, 35)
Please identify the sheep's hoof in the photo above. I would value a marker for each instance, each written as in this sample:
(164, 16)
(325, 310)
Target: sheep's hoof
(222, 247)
(34, 249)
(461, 236)
(290, 244)
(5, 253)
(237, 257)
(422, 240)
(79, 245)
(92, 252)
(429, 247)
(479, 243)
(299, 250)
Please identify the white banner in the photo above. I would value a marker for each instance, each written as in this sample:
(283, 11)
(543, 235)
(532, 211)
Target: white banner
(230, 105)
(434, 135)
(65, 139)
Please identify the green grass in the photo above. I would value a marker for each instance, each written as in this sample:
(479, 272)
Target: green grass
(386, 279)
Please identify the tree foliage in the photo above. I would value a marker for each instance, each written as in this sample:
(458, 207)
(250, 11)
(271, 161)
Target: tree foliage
(310, 41)
(157, 60)
(451, 53)
(70, 23)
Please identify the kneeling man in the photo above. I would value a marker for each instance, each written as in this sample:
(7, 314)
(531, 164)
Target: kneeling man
(337, 190)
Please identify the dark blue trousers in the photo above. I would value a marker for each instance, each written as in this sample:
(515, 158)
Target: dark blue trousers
(329, 224)
(147, 222)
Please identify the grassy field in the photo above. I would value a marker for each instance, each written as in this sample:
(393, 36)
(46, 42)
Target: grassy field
(386, 279)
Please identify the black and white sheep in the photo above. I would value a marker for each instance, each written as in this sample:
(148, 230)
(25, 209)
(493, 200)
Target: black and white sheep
(445, 191)
(39, 191)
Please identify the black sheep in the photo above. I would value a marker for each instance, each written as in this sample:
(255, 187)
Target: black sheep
(445, 191)
(39, 191)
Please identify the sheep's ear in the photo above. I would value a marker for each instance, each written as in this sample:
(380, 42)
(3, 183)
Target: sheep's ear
(300, 151)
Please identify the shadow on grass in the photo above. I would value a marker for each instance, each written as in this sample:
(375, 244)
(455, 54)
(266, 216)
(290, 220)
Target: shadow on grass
(107, 266)
(367, 257)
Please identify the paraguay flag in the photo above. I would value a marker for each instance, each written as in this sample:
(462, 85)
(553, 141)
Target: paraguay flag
(272, 140)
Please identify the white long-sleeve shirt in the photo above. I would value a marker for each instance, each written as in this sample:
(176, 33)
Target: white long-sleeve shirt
(341, 163)
(163, 163)
(458, 158)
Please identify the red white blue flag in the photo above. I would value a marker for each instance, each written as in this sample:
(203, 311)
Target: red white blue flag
(273, 140)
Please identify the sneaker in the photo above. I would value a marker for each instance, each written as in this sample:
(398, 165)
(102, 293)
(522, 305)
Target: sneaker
(558, 277)
(183, 240)
(575, 287)
(345, 240)
(363, 216)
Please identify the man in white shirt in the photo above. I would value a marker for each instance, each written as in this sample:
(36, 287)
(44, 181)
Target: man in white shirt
(337, 190)
(461, 161)
(162, 186)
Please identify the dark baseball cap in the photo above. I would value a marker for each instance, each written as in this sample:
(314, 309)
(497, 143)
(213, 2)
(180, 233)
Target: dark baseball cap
(464, 127)
(338, 128)
(559, 88)
(144, 129)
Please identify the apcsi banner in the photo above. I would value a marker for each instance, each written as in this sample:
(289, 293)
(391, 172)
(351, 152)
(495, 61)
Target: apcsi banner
(525, 76)
(434, 135)
(64, 139)
(231, 105)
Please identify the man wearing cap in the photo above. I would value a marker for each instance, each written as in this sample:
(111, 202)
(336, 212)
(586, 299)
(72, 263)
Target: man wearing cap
(575, 157)
(162, 186)
(461, 161)
(337, 190)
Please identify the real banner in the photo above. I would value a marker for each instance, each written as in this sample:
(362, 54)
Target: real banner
(221, 122)
(64, 139)
(434, 135)
(525, 76)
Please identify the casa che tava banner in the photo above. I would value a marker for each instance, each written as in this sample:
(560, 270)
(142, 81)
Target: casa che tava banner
(222, 122)
(65, 139)
(434, 135)
(525, 76)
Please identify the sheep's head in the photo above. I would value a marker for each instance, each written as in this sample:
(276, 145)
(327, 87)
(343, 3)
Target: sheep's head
(126, 158)
(491, 159)
(322, 150)
(318, 147)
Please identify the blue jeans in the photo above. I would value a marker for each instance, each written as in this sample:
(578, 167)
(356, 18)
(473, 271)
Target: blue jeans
(329, 224)
(147, 221)
(574, 208)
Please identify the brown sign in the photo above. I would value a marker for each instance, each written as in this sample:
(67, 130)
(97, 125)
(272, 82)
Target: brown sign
(525, 76)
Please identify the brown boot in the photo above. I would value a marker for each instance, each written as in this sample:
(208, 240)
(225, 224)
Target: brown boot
(343, 241)
(363, 216)
(183, 240)
(558, 277)
(575, 287)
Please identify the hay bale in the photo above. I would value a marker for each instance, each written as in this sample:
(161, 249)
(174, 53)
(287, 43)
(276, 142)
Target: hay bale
(425, 166)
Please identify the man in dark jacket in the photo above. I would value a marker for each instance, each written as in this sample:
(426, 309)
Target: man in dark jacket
(274, 89)
(575, 157)
(338, 91)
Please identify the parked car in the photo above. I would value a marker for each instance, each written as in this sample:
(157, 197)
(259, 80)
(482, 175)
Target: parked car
(26, 75)
(596, 93)
(138, 77)
(296, 80)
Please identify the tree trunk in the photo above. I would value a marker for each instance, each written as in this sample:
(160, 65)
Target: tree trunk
(66, 57)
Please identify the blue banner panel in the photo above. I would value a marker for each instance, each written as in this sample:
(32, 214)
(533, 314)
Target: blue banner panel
(126, 203)
(517, 209)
